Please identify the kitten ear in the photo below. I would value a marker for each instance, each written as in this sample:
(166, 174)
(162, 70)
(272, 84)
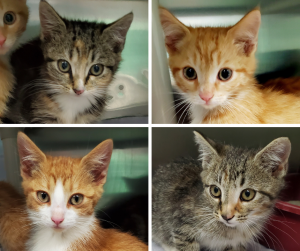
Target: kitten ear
(274, 157)
(117, 32)
(31, 157)
(206, 149)
(51, 22)
(174, 30)
(97, 161)
(245, 32)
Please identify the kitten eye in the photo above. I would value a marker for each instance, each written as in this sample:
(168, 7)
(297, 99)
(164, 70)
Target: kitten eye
(215, 191)
(247, 194)
(43, 197)
(64, 66)
(9, 18)
(76, 199)
(189, 73)
(225, 74)
(96, 69)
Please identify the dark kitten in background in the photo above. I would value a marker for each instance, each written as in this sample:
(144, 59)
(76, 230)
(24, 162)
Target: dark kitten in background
(63, 76)
(221, 202)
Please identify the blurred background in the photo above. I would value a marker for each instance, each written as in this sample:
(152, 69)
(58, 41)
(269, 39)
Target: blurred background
(128, 94)
(278, 53)
(125, 199)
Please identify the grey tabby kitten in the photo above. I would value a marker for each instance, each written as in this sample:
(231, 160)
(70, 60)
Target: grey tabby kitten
(221, 202)
(64, 74)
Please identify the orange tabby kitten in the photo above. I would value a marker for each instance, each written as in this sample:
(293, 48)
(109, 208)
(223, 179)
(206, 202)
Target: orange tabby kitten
(61, 193)
(13, 20)
(214, 67)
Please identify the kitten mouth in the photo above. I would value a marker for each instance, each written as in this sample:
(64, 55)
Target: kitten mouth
(58, 228)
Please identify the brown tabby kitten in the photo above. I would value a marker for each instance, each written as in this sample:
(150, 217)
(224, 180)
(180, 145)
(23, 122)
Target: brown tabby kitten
(63, 76)
(220, 202)
(214, 67)
(13, 20)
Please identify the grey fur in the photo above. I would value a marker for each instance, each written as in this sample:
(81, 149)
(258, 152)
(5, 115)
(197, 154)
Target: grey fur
(42, 90)
(186, 217)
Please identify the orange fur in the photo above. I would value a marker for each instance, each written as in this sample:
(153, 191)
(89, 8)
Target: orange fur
(84, 176)
(238, 100)
(14, 224)
(11, 33)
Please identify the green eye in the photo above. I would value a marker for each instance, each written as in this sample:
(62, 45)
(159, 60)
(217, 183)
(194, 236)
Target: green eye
(96, 69)
(225, 74)
(43, 196)
(215, 191)
(9, 18)
(64, 66)
(76, 199)
(247, 194)
(189, 73)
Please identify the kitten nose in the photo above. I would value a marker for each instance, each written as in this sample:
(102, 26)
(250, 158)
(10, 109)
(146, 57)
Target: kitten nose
(78, 92)
(206, 96)
(2, 40)
(226, 218)
(57, 221)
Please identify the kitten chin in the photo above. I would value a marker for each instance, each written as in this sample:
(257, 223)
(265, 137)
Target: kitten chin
(217, 202)
(63, 76)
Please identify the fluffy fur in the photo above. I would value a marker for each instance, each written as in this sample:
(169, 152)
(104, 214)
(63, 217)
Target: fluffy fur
(45, 93)
(9, 35)
(209, 50)
(186, 217)
(57, 224)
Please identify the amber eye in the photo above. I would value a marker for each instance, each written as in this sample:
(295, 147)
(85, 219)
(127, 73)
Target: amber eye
(9, 18)
(64, 66)
(247, 194)
(76, 199)
(43, 196)
(96, 69)
(215, 191)
(224, 74)
(189, 73)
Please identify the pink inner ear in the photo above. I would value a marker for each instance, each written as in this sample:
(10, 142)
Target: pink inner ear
(248, 44)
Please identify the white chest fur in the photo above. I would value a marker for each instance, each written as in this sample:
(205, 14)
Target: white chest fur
(72, 105)
(46, 239)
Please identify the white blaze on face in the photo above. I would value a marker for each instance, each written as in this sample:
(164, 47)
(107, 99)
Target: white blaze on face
(58, 203)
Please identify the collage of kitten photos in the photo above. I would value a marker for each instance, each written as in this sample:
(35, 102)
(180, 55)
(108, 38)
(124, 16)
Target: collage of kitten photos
(149, 125)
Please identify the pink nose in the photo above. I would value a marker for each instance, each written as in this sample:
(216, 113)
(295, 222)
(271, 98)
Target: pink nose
(206, 96)
(2, 40)
(57, 221)
(78, 92)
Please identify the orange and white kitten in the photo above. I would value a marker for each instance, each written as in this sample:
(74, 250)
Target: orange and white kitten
(13, 20)
(214, 67)
(61, 193)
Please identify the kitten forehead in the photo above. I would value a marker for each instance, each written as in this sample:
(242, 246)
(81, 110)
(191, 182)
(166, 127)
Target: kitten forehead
(58, 197)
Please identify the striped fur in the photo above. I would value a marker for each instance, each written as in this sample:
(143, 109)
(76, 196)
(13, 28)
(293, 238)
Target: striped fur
(186, 217)
(239, 100)
(44, 93)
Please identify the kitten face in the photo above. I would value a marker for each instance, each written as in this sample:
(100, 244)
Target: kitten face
(81, 57)
(61, 192)
(241, 186)
(13, 20)
(211, 66)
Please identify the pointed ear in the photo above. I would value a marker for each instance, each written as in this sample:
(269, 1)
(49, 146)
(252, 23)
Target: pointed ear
(274, 157)
(117, 32)
(175, 31)
(97, 161)
(245, 32)
(51, 22)
(31, 157)
(206, 149)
